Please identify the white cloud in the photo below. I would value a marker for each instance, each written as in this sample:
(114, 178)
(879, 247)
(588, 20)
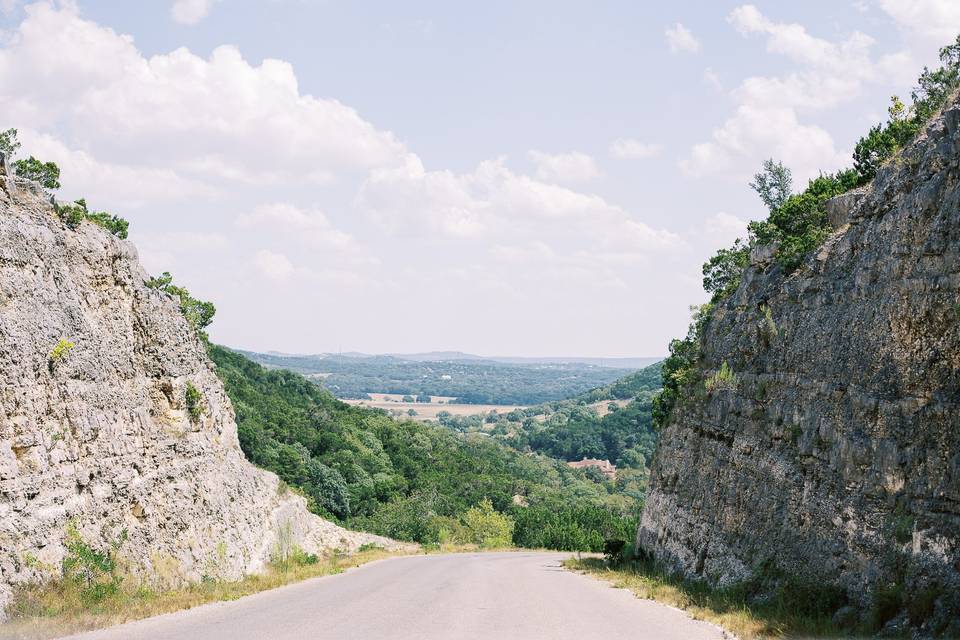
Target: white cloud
(723, 228)
(681, 40)
(120, 185)
(935, 21)
(711, 78)
(767, 120)
(754, 133)
(275, 266)
(216, 119)
(310, 226)
(158, 251)
(631, 149)
(190, 11)
(564, 167)
(492, 203)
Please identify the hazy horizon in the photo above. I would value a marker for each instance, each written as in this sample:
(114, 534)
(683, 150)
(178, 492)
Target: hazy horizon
(432, 352)
(528, 178)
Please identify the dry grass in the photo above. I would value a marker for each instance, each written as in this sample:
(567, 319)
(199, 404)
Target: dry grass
(729, 609)
(55, 609)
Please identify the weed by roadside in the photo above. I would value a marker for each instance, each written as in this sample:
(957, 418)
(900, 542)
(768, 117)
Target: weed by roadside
(59, 607)
(791, 612)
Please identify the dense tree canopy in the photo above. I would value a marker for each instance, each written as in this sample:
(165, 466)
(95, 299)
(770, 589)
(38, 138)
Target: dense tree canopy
(405, 479)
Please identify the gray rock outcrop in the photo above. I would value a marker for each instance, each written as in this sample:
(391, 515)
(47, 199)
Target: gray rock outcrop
(836, 457)
(98, 434)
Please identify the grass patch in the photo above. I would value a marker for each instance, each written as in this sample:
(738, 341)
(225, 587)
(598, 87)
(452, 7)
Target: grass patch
(794, 610)
(61, 607)
(723, 380)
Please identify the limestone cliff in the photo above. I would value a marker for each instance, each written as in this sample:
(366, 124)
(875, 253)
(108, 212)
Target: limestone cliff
(100, 435)
(836, 454)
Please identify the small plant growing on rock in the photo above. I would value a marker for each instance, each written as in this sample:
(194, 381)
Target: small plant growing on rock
(723, 380)
(93, 572)
(770, 327)
(74, 214)
(193, 400)
(199, 313)
(61, 349)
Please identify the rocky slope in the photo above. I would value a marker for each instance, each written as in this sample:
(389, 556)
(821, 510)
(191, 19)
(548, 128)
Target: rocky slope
(835, 457)
(100, 436)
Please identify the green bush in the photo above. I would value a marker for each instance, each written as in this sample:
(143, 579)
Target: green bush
(93, 572)
(888, 601)
(61, 349)
(678, 370)
(193, 400)
(9, 143)
(199, 313)
(482, 525)
(723, 380)
(571, 526)
(722, 272)
(45, 173)
(74, 214)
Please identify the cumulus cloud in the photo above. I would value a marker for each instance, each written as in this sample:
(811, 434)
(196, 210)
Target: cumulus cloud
(724, 228)
(275, 266)
(935, 21)
(190, 11)
(631, 149)
(564, 167)
(681, 40)
(493, 202)
(311, 226)
(767, 120)
(216, 118)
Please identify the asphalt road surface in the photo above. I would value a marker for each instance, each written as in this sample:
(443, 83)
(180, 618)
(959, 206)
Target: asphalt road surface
(500, 596)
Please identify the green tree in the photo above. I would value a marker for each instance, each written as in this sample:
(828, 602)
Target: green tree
(679, 367)
(483, 525)
(199, 313)
(773, 184)
(74, 214)
(45, 173)
(722, 272)
(9, 143)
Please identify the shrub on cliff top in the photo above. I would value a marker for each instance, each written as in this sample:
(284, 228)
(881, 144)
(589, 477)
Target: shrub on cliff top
(199, 313)
(74, 214)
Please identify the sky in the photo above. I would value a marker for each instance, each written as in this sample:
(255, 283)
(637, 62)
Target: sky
(534, 178)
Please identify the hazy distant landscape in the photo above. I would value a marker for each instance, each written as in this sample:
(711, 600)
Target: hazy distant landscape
(453, 377)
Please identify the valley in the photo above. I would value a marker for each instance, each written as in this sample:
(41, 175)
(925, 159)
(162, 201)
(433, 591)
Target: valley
(789, 468)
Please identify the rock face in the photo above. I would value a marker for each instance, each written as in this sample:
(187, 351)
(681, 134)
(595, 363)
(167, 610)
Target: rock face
(100, 435)
(836, 457)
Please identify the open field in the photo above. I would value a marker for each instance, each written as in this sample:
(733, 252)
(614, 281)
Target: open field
(398, 397)
(429, 411)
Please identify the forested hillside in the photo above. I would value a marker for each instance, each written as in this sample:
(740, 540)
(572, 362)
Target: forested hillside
(613, 422)
(467, 381)
(411, 480)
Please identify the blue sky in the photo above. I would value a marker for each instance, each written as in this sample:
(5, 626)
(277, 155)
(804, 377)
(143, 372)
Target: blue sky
(524, 178)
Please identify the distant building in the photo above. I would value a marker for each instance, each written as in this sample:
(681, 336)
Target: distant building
(604, 466)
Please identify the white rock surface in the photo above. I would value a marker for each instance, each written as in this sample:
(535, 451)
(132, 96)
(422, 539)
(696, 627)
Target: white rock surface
(101, 437)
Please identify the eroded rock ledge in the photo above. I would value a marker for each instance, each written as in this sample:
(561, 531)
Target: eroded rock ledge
(837, 455)
(101, 436)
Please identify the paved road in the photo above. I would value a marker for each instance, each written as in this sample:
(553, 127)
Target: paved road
(500, 596)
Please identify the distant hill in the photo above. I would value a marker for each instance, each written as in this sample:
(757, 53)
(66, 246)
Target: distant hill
(468, 379)
(460, 356)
